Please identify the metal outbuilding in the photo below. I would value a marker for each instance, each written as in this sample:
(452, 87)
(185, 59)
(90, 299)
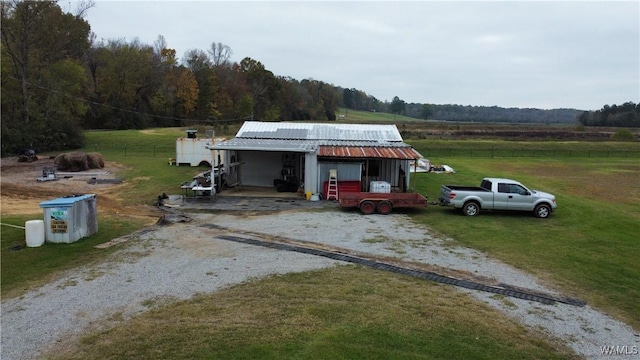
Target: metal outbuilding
(70, 218)
(271, 153)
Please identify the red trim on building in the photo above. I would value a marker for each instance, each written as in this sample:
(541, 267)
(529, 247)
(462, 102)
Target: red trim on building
(383, 152)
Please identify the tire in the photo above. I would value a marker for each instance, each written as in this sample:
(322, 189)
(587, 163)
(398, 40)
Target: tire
(367, 207)
(471, 208)
(542, 211)
(384, 207)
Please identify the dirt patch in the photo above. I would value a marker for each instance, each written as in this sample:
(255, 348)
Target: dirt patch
(21, 192)
(150, 132)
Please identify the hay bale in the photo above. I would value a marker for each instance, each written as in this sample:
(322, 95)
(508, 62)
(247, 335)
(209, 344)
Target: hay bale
(61, 162)
(95, 160)
(74, 162)
(78, 161)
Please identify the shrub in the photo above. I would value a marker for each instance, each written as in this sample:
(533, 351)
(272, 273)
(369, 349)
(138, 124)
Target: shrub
(623, 135)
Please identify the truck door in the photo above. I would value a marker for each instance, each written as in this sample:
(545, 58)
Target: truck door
(501, 197)
(519, 198)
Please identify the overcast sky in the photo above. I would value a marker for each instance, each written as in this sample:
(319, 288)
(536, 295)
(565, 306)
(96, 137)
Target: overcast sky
(538, 54)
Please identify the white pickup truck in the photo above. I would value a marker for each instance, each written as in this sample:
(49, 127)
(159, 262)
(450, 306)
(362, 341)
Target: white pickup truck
(497, 194)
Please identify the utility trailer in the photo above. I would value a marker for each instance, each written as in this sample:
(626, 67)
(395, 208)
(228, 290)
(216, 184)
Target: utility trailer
(194, 151)
(382, 203)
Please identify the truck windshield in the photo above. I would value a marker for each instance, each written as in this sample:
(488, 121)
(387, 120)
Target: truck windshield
(486, 184)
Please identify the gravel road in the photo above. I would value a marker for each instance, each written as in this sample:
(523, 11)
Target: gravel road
(180, 260)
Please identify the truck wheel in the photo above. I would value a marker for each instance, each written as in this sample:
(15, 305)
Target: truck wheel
(542, 211)
(384, 207)
(367, 207)
(471, 208)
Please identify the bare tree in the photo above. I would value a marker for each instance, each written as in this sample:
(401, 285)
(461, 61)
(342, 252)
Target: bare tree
(220, 54)
(196, 60)
(82, 7)
(159, 45)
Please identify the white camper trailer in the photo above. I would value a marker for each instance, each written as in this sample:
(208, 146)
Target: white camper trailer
(193, 151)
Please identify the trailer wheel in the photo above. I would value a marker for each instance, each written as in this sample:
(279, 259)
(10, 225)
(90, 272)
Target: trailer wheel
(367, 207)
(542, 211)
(385, 207)
(471, 208)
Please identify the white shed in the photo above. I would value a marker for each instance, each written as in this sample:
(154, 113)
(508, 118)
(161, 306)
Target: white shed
(301, 154)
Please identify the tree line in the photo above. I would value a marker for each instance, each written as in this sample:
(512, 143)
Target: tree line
(625, 115)
(58, 80)
(486, 114)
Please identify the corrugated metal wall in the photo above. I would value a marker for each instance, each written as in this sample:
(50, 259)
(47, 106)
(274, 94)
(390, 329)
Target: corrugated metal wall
(387, 170)
(346, 171)
(260, 168)
(310, 167)
(392, 171)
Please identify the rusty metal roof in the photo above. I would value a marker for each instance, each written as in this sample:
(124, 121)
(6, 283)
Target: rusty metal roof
(318, 131)
(384, 152)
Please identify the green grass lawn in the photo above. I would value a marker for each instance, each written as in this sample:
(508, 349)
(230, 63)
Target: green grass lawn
(28, 267)
(588, 248)
(146, 154)
(444, 149)
(345, 312)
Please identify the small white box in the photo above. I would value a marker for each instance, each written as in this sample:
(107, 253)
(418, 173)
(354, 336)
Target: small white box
(380, 187)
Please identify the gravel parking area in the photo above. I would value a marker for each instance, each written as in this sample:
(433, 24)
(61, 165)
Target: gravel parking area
(180, 260)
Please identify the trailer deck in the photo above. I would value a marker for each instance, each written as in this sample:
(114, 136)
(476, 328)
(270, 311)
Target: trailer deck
(382, 203)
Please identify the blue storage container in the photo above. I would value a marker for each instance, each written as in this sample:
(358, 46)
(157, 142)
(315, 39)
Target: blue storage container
(70, 218)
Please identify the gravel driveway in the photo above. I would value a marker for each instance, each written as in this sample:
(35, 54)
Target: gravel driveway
(177, 261)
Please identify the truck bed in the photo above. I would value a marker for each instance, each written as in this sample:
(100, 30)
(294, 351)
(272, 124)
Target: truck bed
(447, 190)
(465, 188)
